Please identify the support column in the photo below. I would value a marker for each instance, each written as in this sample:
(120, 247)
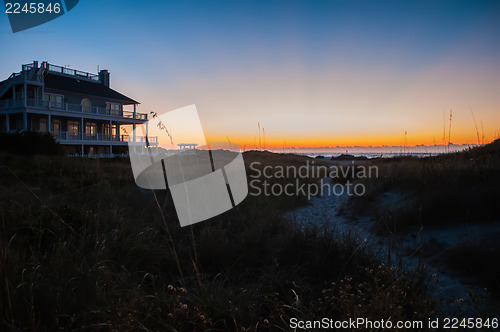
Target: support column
(83, 135)
(7, 122)
(50, 124)
(25, 92)
(133, 125)
(25, 121)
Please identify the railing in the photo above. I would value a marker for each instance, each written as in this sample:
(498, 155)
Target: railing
(142, 139)
(130, 114)
(73, 72)
(14, 75)
(100, 155)
(32, 73)
(69, 136)
(75, 108)
(28, 73)
(35, 78)
(28, 66)
(11, 103)
(7, 84)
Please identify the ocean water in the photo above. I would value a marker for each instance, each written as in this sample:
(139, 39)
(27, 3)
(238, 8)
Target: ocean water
(376, 151)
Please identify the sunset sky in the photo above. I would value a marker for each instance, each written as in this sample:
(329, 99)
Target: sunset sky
(313, 73)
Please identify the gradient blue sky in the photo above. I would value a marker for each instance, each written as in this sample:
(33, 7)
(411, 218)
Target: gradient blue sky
(321, 73)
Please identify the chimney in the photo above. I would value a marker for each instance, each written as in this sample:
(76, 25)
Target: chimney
(104, 77)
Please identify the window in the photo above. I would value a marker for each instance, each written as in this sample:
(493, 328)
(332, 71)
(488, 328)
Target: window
(56, 129)
(43, 124)
(86, 105)
(56, 126)
(90, 128)
(53, 100)
(114, 131)
(114, 108)
(73, 129)
(105, 129)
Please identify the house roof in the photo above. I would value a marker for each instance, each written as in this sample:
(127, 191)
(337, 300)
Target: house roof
(85, 87)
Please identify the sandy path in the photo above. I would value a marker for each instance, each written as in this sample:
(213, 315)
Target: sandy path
(448, 288)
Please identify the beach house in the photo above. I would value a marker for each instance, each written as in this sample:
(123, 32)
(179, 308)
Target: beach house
(78, 108)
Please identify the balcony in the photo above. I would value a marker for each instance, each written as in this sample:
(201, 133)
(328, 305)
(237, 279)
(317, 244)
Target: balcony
(74, 108)
(64, 136)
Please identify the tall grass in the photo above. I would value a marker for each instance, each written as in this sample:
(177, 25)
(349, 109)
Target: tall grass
(83, 248)
(452, 188)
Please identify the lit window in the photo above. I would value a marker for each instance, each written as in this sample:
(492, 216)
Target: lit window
(105, 129)
(73, 129)
(90, 128)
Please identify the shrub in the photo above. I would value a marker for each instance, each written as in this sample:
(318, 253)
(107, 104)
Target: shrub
(30, 143)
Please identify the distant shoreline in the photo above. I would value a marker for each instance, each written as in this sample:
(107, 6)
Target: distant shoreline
(372, 152)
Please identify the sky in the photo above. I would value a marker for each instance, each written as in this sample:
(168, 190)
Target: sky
(311, 73)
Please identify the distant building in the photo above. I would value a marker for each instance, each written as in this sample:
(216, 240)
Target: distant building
(80, 109)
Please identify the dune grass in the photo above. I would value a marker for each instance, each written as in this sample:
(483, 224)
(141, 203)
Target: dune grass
(476, 260)
(83, 248)
(446, 189)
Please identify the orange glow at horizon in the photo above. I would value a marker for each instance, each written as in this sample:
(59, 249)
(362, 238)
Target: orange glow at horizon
(463, 132)
(250, 143)
(246, 142)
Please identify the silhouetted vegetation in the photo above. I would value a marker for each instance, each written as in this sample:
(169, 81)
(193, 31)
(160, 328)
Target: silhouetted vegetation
(477, 260)
(82, 247)
(29, 143)
(451, 188)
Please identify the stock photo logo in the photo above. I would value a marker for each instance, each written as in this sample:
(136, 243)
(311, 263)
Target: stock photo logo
(204, 180)
(26, 14)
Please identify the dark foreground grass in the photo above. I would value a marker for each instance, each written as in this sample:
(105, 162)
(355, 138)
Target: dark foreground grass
(445, 189)
(477, 260)
(83, 248)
